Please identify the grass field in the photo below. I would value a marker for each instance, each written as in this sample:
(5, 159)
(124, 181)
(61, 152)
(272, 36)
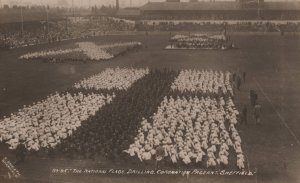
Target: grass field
(270, 61)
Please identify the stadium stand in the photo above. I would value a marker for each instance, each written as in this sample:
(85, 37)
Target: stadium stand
(221, 10)
(35, 29)
(44, 24)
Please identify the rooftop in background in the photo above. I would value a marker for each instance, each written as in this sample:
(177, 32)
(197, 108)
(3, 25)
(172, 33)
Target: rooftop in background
(218, 5)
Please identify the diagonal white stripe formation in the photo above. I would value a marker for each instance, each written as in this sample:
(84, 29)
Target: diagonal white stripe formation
(48, 53)
(91, 50)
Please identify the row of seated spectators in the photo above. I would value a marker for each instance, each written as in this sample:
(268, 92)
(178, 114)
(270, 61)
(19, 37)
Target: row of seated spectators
(99, 25)
(12, 36)
(254, 15)
(211, 26)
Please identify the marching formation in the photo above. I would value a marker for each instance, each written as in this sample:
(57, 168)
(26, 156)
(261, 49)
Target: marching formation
(44, 124)
(189, 129)
(204, 82)
(118, 78)
(84, 51)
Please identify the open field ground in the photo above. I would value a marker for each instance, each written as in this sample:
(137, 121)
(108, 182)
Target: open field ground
(272, 65)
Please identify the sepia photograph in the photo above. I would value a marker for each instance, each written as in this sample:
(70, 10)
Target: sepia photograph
(149, 91)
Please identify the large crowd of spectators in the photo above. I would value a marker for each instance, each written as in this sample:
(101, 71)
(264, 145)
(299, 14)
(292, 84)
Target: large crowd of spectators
(211, 25)
(14, 35)
(238, 15)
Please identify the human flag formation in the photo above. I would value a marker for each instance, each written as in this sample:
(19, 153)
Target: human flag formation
(190, 115)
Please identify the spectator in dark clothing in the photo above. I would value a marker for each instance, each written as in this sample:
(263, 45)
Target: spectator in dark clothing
(20, 154)
(233, 76)
(244, 76)
(238, 82)
(256, 113)
(253, 97)
(244, 115)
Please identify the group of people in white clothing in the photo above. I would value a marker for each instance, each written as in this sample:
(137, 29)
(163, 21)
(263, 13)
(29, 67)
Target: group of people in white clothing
(189, 129)
(93, 51)
(205, 82)
(83, 51)
(44, 124)
(49, 53)
(113, 78)
(194, 125)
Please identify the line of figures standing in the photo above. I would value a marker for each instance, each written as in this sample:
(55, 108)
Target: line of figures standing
(238, 79)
